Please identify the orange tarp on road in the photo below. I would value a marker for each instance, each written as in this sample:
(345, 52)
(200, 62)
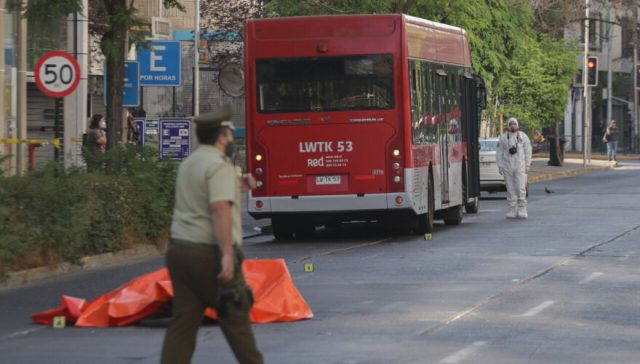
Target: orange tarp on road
(276, 299)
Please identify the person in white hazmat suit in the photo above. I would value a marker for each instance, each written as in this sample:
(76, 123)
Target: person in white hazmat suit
(513, 157)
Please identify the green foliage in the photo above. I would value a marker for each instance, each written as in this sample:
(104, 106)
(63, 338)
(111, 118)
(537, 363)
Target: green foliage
(65, 215)
(532, 74)
(47, 10)
(535, 85)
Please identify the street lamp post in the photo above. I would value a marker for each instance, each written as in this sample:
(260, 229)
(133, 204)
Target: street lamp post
(585, 84)
(196, 67)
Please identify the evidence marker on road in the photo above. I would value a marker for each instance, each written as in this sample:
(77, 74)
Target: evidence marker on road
(428, 236)
(59, 322)
(308, 267)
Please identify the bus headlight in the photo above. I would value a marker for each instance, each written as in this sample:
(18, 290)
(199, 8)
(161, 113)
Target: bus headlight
(396, 179)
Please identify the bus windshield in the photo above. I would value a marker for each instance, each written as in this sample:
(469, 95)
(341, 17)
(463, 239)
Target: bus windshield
(362, 82)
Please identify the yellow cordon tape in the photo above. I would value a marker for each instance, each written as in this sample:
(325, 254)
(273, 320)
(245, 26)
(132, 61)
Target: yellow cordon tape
(55, 142)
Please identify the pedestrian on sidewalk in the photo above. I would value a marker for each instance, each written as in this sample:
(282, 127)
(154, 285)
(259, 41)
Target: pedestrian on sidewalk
(513, 157)
(94, 143)
(204, 258)
(611, 138)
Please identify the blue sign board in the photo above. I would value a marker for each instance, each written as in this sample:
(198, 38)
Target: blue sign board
(160, 64)
(140, 126)
(175, 138)
(131, 95)
(131, 92)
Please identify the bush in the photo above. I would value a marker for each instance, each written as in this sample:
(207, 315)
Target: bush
(53, 215)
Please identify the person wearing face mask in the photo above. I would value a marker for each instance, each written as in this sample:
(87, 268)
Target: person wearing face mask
(513, 157)
(204, 257)
(95, 142)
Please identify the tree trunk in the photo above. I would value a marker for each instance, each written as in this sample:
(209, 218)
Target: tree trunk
(116, 40)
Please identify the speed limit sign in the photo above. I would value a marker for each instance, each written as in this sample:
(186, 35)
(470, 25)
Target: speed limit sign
(57, 74)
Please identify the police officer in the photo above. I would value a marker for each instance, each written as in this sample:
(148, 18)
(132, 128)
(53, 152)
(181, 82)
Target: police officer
(204, 259)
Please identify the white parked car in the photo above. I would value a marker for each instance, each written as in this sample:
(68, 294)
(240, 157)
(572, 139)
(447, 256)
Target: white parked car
(490, 178)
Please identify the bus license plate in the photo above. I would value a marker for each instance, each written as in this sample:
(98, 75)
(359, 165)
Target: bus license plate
(328, 180)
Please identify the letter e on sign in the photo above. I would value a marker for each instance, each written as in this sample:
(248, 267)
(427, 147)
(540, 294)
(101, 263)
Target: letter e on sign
(57, 74)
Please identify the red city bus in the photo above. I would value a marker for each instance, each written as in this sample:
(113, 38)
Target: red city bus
(360, 117)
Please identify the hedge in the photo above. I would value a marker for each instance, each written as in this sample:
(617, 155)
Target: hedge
(53, 215)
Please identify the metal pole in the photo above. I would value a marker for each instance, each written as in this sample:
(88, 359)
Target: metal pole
(196, 73)
(21, 154)
(75, 105)
(585, 119)
(634, 132)
(609, 75)
(3, 116)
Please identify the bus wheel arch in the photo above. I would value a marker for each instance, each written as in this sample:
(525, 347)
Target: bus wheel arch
(471, 206)
(424, 222)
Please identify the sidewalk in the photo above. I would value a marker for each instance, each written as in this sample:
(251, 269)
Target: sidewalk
(541, 171)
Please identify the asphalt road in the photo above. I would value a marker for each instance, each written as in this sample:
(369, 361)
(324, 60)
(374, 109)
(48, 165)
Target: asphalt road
(560, 287)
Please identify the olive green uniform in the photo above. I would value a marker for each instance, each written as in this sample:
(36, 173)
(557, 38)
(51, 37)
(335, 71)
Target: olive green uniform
(194, 260)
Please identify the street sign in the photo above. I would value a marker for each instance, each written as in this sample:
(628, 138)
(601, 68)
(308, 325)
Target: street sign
(175, 138)
(131, 90)
(131, 95)
(160, 64)
(140, 127)
(151, 127)
(57, 74)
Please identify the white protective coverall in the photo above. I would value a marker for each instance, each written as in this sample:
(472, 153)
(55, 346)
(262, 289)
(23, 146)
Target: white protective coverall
(514, 168)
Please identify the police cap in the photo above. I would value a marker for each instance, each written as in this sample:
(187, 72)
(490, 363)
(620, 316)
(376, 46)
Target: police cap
(213, 119)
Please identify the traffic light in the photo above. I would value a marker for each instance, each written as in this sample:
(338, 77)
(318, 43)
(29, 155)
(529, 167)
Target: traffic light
(638, 75)
(592, 71)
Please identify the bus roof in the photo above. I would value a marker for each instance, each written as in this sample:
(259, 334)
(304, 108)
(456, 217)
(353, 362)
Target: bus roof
(425, 39)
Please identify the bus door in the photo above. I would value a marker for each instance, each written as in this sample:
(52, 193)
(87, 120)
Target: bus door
(443, 144)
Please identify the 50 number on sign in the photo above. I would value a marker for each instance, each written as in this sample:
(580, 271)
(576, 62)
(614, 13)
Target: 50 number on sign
(57, 74)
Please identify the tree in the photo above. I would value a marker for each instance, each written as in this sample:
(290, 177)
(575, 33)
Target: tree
(119, 26)
(500, 36)
(225, 21)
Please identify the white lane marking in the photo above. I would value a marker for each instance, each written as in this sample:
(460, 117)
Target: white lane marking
(371, 256)
(463, 354)
(392, 306)
(536, 310)
(626, 256)
(591, 277)
(24, 333)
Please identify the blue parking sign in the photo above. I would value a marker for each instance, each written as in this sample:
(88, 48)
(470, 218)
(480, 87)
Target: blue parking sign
(140, 126)
(160, 64)
(175, 138)
(131, 89)
(131, 95)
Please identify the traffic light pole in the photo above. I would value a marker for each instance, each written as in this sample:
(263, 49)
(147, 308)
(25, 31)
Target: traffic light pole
(585, 84)
(634, 129)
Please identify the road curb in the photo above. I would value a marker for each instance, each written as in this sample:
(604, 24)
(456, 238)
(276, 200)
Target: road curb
(23, 277)
(565, 174)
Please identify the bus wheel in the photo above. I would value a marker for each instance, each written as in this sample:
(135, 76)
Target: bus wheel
(453, 216)
(473, 206)
(282, 229)
(424, 222)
